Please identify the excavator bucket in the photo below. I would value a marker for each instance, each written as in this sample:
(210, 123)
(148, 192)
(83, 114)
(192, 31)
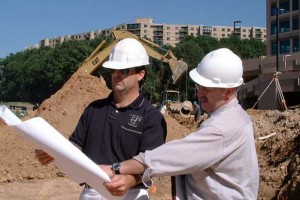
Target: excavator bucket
(179, 68)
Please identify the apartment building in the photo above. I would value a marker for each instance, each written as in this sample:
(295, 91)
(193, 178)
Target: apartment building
(172, 34)
(274, 80)
(59, 40)
(164, 34)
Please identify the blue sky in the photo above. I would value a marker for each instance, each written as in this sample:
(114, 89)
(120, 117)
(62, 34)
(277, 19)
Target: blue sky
(26, 22)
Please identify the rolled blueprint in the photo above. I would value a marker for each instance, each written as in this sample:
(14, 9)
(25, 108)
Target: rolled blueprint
(68, 158)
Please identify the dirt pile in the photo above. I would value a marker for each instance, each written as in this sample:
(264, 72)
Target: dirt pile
(277, 137)
(276, 133)
(62, 110)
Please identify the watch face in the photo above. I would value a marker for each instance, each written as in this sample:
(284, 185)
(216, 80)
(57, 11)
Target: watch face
(116, 168)
(116, 165)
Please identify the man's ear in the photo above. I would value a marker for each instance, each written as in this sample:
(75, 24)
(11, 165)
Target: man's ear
(229, 92)
(141, 75)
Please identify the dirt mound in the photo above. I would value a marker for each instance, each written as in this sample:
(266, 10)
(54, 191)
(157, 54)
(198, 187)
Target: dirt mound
(278, 147)
(276, 134)
(63, 109)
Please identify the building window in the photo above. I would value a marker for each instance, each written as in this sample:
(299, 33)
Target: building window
(295, 5)
(273, 28)
(273, 9)
(168, 28)
(145, 31)
(176, 28)
(133, 26)
(168, 38)
(223, 29)
(296, 23)
(145, 25)
(285, 46)
(284, 26)
(296, 44)
(284, 7)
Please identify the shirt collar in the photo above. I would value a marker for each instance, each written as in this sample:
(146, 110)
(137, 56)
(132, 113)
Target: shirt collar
(137, 103)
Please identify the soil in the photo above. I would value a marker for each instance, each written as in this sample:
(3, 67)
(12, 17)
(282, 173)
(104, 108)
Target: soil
(22, 177)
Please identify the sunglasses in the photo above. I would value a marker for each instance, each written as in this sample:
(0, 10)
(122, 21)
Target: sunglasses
(125, 72)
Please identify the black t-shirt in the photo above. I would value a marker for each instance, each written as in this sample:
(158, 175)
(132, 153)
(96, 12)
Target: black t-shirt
(107, 134)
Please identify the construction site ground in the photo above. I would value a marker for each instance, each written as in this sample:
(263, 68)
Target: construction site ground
(22, 177)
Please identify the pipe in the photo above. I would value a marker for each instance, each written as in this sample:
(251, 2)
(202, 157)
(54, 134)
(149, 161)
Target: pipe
(186, 108)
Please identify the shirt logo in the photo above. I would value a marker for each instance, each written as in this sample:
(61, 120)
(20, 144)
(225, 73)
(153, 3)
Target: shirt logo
(135, 120)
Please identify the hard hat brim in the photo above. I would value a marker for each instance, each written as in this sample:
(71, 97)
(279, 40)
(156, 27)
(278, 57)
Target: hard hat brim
(122, 65)
(200, 80)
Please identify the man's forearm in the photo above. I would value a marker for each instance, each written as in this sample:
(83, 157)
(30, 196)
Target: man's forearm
(128, 176)
(132, 167)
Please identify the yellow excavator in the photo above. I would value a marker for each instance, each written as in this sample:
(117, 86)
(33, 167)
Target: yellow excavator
(178, 67)
(97, 57)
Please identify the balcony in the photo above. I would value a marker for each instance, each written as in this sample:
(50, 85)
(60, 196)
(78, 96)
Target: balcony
(185, 30)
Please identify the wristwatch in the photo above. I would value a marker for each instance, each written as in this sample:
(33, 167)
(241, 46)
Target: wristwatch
(116, 168)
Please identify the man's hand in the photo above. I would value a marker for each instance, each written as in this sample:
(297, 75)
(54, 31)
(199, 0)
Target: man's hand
(43, 157)
(108, 170)
(120, 184)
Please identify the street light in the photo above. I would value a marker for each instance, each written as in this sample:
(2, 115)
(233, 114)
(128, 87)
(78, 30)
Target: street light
(235, 22)
(277, 32)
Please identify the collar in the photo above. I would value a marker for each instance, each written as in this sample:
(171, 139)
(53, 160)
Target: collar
(137, 103)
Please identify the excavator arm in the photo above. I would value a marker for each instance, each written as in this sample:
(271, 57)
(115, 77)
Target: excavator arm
(97, 57)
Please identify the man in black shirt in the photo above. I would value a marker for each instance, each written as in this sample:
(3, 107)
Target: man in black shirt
(116, 128)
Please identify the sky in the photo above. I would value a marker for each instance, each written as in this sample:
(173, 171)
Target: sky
(25, 22)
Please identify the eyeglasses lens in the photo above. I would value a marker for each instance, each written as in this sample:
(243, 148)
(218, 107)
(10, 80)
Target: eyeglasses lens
(123, 71)
(204, 89)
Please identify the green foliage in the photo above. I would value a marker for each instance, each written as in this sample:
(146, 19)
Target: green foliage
(34, 75)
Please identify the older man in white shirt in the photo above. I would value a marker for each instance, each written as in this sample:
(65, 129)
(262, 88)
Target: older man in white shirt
(219, 160)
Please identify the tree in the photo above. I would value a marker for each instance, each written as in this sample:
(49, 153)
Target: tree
(34, 75)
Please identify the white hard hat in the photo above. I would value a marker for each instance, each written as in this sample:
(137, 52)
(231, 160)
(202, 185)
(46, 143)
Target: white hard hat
(220, 68)
(127, 53)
